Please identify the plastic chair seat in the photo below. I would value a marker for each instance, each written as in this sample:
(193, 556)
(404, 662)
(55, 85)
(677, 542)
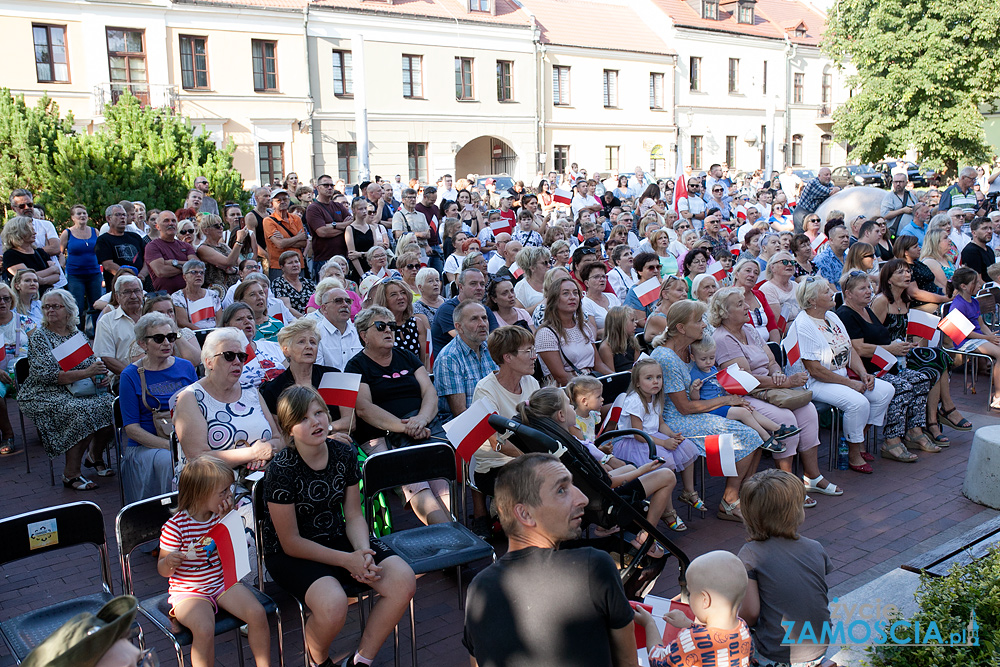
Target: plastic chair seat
(437, 547)
(28, 630)
(157, 609)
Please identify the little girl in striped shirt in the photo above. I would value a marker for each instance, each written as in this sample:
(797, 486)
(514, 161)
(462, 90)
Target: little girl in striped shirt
(191, 561)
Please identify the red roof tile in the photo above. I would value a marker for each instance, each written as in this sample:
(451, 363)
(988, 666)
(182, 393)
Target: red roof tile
(598, 25)
(264, 4)
(507, 11)
(787, 14)
(773, 19)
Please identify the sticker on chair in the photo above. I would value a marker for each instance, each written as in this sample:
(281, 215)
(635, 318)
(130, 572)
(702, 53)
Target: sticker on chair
(42, 534)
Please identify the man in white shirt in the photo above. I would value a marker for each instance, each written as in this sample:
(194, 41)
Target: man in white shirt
(115, 331)
(639, 182)
(582, 200)
(714, 176)
(447, 190)
(497, 261)
(339, 340)
(46, 238)
(692, 207)
(790, 184)
(957, 236)
(397, 187)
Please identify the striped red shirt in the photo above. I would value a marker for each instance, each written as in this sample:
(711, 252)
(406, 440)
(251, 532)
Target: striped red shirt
(201, 571)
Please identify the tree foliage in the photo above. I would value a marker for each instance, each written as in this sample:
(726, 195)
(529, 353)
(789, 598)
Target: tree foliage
(924, 67)
(28, 141)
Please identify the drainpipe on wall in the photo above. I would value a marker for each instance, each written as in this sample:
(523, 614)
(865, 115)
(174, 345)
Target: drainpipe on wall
(310, 103)
(539, 49)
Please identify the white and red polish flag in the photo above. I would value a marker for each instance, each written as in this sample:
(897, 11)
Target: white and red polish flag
(251, 354)
(468, 431)
(72, 352)
(736, 381)
(919, 323)
(735, 251)
(340, 389)
(680, 182)
(202, 309)
(884, 359)
(562, 196)
(720, 455)
(3, 348)
(956, 326)
(648, 291)
(614, 415)
(382, 273)
(500, 226)
(716, 270)
(791, 346)
(818, 242)
(230, 545)
(430, 354)
(516, 271)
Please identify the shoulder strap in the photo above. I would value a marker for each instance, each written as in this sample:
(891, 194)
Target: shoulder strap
(561, 353)
(142, 381)
(280, 224)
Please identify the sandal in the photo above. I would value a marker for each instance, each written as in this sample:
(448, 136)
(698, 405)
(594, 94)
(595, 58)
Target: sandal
(962, 425)
(655, 551)
(101, 469)
(7, 447)
(772, 445)
(812, 484)
(809, 503)
(867, 457)
(691, 498)
(786, 431)
(729, 511)
(864, 467)
(922, 443)
(898, 452)
(674, 522)
(940, 439)
(78, 483)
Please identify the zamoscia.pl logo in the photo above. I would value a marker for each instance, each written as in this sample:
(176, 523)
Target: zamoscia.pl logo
(873, 623)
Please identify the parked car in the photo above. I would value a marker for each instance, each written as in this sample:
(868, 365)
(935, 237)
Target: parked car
(503, 182)
(860, 174)
(805, 174)
(917, 177)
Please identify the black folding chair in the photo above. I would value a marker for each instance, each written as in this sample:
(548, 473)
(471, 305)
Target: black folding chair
(141, 522)
(119, 431)
(201, 334)
(41, 532)
(614, 385)
(21, 370)
(424, 548)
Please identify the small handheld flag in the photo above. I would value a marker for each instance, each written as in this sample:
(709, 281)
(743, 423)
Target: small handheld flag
(562, 196)
(720, 455)
(919, 323)
(648, 291)
(716, 270)
(340, 389)
(956, 326)
(516, 271)
(202, 309)
(736, 381)
(229, 540)
(70, 353)
(791, 347)
(884, 359)
(614, 414)
(468, 431)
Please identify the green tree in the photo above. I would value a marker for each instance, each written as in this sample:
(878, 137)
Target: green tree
(924, 67)
(28, 141)
(139, 153)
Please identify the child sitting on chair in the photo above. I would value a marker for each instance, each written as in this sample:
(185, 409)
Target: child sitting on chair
(717, 582)
(704, 387)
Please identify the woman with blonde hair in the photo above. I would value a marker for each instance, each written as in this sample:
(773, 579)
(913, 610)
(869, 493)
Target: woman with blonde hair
(19, 252)
(936, 254)
(220, 260)
(861, 257)
(560, 252)
(411, 330)
(26, 301)
(534, 261)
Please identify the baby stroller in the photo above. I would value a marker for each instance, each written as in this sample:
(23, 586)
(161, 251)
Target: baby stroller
(606, 508)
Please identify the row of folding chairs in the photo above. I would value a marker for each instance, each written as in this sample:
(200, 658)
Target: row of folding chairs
(424, 548)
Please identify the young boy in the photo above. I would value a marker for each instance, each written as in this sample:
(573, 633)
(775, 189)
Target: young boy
(717, 582)
(704, 387)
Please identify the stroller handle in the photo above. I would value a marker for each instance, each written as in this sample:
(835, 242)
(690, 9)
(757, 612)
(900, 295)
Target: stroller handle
(642, 435)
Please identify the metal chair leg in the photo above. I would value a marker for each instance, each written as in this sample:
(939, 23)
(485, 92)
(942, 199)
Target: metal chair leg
(413, 635)
(281, 638)
(24, 441)
(239, 647)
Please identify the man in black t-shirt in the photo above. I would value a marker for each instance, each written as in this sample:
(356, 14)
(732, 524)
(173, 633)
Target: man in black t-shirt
(538, 606)
(118, 247)
(978, 255)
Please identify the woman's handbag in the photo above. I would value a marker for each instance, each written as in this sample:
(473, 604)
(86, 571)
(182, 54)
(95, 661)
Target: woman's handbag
(788, 399)
(161, 418)
(83, 388)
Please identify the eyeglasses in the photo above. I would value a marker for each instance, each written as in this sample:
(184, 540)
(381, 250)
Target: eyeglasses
(130, 292)
(6, 299)
(867, 256)
(231, 356)
(187, 231)
(786, 262)
(716, 189)
(529, 351)
(159, 338)
(382, 326)
(194, 272)
(52, 306)
(340, 300)
(218, 226)
(411, 267)
(325, 185)
(856, 272)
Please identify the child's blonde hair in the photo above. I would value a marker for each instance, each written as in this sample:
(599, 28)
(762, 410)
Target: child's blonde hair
(705, 346)
(543, 403)
(581, 386)
(772, 501)
(200, 478)
(654, 403)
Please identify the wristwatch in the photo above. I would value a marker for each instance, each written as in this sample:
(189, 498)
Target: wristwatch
(175, 263)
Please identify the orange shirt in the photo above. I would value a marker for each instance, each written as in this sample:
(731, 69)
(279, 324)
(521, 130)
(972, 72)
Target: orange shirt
(290, 226)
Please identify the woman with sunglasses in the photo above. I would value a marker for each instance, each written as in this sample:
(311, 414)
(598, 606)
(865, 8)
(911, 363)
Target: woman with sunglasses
(185, 347)
(187, 228)
(220, 417)
(221, 260)
(779, 289)
(501, 300)
(813, 228)
(265, 359)
(408, 265)
(147, 386)
(677, 247)
(411, 330)
(695, 263)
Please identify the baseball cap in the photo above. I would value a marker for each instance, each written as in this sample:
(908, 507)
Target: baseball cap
(279, 191)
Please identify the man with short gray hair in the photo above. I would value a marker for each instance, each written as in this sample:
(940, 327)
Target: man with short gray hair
(963, 195)
(338, 337)
(116, 330)
(119, 246)
(897, 204)
(956, 215)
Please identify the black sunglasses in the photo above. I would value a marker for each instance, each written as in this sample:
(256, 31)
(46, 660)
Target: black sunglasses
(411, 267)
(159, 338)
(231, 356)
(382, 326)
(587, 251)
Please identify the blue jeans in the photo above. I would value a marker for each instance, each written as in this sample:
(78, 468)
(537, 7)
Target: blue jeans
(86, 290)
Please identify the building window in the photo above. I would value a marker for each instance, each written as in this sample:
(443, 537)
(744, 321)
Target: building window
(610, 88)
(343, 75)
(560, 85)
(265, 65)
(824, 149)
(560, 158)
(416, 154)
(798, 83)
(478, 6)
(463, 79)
(763, 85)
(611, 158)
(127, 62)
(51, 65)
(272, 163)
(413, 77)
(734, 75)
(797, 150)
(826, 94)
(763, 145)
(730, 150)
(696, 144)
(194, 62)
(656, 90)
(710, 9)
(695, 73)
(745, 14)
(347, 161)
(505, 84)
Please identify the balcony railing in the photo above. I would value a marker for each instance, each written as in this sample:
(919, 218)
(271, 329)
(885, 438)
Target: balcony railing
(148, 94)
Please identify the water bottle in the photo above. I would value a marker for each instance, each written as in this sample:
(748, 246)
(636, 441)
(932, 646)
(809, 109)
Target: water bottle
(843, 455)
(98, 379)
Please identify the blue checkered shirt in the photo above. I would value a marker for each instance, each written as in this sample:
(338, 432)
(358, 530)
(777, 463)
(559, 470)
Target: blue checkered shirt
(830, 267)
(458, 369)
(813, 194)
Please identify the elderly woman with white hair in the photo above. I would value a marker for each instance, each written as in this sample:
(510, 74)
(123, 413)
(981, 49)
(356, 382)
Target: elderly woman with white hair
(779, 289)
(219, 417)
(70, 407)
(19, 252)
(534, 261)
(195, 306)
(146, 390)
(429, 284)
(826, 354)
